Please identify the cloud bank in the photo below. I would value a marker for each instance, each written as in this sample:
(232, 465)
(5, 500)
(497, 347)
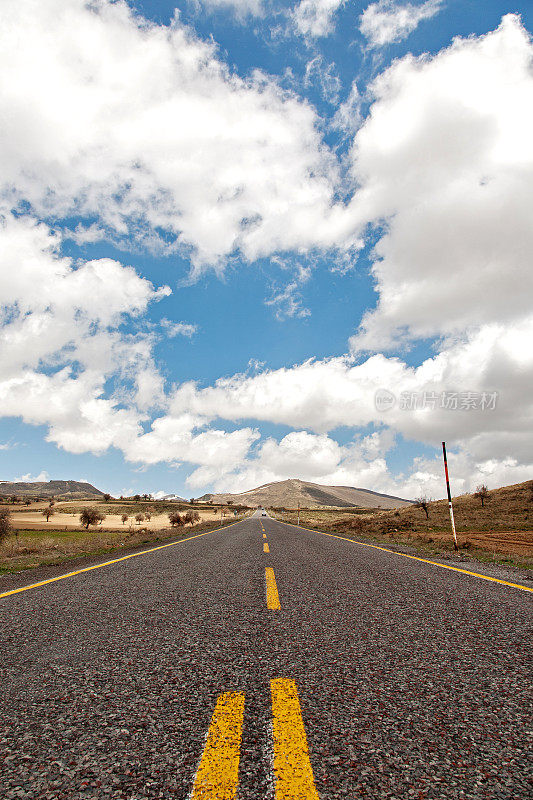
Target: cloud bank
(150, 132)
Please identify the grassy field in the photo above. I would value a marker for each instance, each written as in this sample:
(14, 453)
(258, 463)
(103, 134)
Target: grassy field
(66, 514)
(26, 549)
(499, 531)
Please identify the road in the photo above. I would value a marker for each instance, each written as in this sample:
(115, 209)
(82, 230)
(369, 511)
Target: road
(310, 668)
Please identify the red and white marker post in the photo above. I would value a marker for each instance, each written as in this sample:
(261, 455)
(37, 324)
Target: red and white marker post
(455, 545)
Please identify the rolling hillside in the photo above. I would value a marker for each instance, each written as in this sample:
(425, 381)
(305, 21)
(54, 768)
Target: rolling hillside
(64, 490)
(293, 492)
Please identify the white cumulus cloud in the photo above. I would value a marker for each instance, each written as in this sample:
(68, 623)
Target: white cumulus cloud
(146, 129)
(446, 160)
(388, 21)
(314, 18)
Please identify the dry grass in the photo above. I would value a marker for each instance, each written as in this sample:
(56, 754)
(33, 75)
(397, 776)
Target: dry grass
(503, 528)
(66, 515)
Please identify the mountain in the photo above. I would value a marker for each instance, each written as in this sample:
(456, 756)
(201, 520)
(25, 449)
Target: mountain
(64, 490)
(174, 498)
(293, 492)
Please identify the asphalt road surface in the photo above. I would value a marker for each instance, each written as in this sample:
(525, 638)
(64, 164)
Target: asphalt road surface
(218, 668)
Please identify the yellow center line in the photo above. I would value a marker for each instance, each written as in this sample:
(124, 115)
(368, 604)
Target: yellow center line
(292, 768)
(114, 561)
(265, 548)
(264, 536)
(272, 595)
(217, 777)
(415, 558)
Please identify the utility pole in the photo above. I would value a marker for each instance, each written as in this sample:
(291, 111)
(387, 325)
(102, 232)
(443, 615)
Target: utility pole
(298, 522)
(455, 545)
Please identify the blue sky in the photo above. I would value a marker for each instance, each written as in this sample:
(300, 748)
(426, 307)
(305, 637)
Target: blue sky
(227, 225)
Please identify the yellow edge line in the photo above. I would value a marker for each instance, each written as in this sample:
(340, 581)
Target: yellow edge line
(294, 775)
(272, 595)
(115, 561)
(217, 777)
(415, 558)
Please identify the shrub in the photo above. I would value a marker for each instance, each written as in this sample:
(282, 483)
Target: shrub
(482, 493)
(139, 518)
(5, 525)
(423, 503)
(90, 516)
(48, 512)
(124, 518)
(176, 520)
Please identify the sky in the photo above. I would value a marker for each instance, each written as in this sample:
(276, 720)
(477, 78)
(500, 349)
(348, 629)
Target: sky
(243, 241)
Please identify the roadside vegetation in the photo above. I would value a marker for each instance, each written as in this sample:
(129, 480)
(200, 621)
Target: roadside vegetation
(492, 525)
(30, 535)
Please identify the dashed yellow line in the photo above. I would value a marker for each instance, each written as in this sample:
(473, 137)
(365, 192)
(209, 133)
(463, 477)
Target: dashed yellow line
(292, 768)
(415, 558)
(265, 548)
(114, 561)
(217, 777)
(264, 536)
(272, 595)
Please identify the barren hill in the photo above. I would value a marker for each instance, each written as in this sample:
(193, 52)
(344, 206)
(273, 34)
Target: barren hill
(293, 492)
(67, 490)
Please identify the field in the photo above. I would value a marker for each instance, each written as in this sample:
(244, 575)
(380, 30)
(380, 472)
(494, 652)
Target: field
(501, 530)
(35, 541)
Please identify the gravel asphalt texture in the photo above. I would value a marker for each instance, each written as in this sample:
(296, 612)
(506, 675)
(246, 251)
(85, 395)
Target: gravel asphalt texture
(414, 681)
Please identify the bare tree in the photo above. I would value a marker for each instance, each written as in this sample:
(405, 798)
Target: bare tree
(423, 503)
(5, 525)
(107, 497)
(482, 493)
(148, 513)
(48, 512)
(176, 520)
(90, 516)
(124, 518)
(139, 518)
